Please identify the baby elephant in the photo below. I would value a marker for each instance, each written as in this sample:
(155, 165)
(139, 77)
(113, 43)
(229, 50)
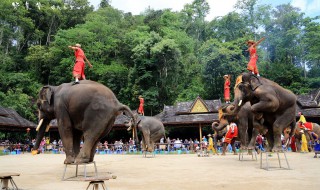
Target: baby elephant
(152, 130)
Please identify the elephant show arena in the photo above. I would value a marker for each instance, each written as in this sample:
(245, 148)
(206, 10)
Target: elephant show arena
(176, 171)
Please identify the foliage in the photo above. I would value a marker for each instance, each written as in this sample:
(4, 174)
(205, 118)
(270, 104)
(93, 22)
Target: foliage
(166, 56)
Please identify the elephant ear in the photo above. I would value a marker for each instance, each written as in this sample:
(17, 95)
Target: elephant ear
(254, 82)
(47, 93)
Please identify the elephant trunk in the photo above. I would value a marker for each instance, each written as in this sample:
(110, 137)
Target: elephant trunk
(41, 131)
(218, 127)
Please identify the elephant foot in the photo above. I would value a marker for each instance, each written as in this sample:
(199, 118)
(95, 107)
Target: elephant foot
(150, 150)
(250, 147)
(82, 160)
(69, 160)
(277, 149)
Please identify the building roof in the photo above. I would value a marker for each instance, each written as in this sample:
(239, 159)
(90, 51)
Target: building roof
(10, 120)
(190, 113)
(311, 100)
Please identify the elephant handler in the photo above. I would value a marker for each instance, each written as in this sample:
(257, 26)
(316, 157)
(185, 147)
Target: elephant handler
(252, 48)
(78, 68)
(226, 88)
(232, 133)
(210, 146)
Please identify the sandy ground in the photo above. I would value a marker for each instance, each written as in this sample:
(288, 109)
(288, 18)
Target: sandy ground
(185, 171)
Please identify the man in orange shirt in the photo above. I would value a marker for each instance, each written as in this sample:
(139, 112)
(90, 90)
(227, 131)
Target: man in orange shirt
(78, 69)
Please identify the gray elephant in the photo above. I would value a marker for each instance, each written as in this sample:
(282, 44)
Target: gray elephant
(313, 127)
(272, 105)
(152, 130)
(85, 110)
(247, 126)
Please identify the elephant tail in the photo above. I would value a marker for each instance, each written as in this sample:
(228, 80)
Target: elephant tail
(129, 113)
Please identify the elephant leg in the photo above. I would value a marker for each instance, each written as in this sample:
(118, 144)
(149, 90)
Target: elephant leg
(146, 135)
(66, 134)
(224, 148)
(233, 146)
(76, 141)
(279, 125)
(95, 127)
(270, 140)
(252, 143)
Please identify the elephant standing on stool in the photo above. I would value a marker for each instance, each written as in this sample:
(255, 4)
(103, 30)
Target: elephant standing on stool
(85, 110)
(273, 106)
(247, 126)
(152, 131)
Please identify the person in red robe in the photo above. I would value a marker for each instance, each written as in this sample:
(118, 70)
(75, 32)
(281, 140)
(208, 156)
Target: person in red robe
(230, 137)
(78, 68)
(141, 106)
(252, 48)
(226, 88)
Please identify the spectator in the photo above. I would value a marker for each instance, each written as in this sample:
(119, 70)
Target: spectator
(304, 142)
(211, 145)
(259, 140)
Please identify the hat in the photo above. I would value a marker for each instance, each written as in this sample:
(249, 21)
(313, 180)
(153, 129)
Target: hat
(250, 42)
(77, 45)
(225, 76)
(140, 96)
(209, 135)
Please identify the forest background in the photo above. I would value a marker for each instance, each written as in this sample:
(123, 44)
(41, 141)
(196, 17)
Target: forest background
(166, 56)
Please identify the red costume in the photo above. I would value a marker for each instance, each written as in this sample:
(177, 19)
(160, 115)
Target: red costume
(78, 69)
(227, 90)
(141, 110)
(252, 65)
(231, 133)
(308, 125)
(293, 144)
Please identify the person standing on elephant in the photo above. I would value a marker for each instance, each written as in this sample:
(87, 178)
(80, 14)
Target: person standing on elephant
(252, 48)
(211, 145)
(302, 120)
(141, 106)
(78, 68)
(227, 88)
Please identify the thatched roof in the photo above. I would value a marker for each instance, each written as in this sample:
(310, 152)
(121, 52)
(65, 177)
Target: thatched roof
(10, 120)
(311, 100)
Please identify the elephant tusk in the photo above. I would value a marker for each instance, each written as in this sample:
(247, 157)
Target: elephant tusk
(39, 125)
(129, 128)
(48, 127)
(240, 103)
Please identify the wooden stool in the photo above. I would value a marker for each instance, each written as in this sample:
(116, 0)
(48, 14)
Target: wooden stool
(85, 169)
(96, 181)
(5, 178)
(267, 161)
(253, 153)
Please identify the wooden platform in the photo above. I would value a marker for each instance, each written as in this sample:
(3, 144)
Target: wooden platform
(85, 169)
(5, 178)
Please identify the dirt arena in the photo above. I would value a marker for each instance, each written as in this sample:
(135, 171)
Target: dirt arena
(185, 171)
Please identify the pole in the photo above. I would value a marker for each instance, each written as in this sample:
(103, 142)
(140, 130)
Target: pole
(200, 132)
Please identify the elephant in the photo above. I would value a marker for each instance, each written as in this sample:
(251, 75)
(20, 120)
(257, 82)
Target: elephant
(297, 134)
(272, 105)
(247, 125)
(85, 110)
(152, 130)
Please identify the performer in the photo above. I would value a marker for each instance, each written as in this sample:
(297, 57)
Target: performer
(78, 69)
(230, 138)
(227, 88)
(304, 142)
(211, 147)
(141, 106)
(302, 120)
(252, 48)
